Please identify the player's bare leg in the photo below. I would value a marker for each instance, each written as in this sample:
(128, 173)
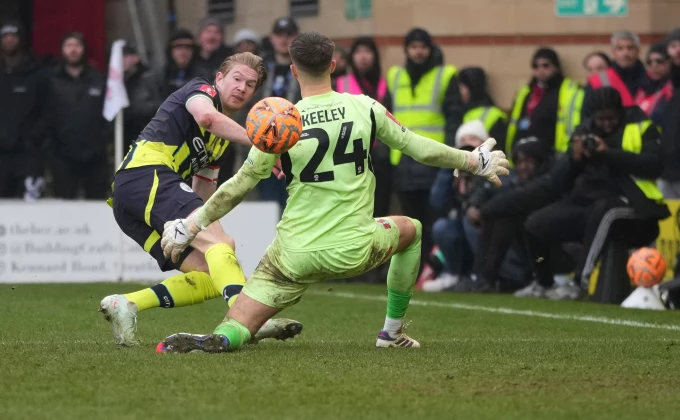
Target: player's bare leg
(244, 318)
(401, 279)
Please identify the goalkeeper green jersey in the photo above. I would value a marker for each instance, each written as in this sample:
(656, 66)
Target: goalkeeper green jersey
(329, 174)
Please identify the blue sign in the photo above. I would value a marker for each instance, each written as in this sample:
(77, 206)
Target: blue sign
(585, 8)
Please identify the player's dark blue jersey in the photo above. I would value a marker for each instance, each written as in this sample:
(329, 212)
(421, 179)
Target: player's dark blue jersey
(174, 139)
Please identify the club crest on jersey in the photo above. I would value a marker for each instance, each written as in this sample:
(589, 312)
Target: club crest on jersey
(209, 90)
(384, 223)
(390, 116)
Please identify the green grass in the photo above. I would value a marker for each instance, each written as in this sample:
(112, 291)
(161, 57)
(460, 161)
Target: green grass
(58, 361)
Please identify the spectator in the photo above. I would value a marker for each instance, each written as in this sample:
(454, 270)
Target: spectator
(246, 40)
(670, 125)
(21, 127)
(211, 49)
(281, 83)
(142, 90)
(424, 97)
(366, 78)
(79, 132)
(657, 89)
(613, 161)
(455, 235)
(627, 73)
(342, 59)
(596, 62)
(547, 108)
(673, 44)
(181, 63)
(479, 105)
(499, 254)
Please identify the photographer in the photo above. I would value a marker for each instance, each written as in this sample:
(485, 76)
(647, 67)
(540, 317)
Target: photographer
(613, 161)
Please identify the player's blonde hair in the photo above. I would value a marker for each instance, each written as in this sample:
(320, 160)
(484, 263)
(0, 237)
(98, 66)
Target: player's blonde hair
(247, 59)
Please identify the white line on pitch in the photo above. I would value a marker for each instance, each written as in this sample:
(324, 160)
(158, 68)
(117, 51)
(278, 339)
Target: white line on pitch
(507, 311)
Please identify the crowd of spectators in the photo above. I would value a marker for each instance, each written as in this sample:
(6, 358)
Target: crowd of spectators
(577, 151)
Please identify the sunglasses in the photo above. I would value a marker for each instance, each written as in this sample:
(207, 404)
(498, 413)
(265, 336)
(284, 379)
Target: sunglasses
(651, 61)
(541, 65)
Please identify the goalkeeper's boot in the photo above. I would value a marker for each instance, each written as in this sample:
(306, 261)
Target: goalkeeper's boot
(193, 343)
(399, 340)
(278, 328)
(122, 314)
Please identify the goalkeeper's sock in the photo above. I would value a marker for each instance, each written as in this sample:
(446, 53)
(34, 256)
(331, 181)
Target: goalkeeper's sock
(237, 334)
(225, 271)
(401, 278)
(181, 290)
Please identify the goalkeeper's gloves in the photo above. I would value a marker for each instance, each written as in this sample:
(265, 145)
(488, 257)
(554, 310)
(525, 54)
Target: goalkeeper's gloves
(486, 163)
(178, 234)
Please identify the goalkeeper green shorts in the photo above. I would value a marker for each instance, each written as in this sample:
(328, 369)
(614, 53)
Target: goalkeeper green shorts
(283, 275)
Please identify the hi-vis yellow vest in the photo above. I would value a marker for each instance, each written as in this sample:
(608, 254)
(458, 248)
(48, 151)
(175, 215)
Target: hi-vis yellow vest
(632, 142)
(568, 114)
(488, 115)
(419, 111)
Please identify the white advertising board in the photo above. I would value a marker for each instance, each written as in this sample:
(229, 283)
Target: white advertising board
(79, 241)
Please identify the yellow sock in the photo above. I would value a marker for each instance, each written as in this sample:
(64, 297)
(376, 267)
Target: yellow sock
(180, 290)
(225, 271)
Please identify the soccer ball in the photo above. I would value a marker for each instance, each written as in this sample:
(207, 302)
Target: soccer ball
(274, 125)
(646, 267)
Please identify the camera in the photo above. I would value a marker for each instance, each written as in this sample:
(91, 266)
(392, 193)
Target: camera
(590, 144)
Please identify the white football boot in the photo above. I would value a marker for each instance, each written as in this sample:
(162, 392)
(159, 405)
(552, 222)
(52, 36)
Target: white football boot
(122, 314)
(400, 340)
(278, 328)
(533, 290)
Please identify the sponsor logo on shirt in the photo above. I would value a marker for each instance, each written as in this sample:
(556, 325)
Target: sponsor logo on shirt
(209, 90)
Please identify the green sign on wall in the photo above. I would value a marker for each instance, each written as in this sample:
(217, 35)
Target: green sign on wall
(357, 9)
(585, 8)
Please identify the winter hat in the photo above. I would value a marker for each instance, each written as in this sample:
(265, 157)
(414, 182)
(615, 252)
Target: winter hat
(546, 54)
(673, 35)
(210, 21)
(181, 35)
(418, 34)
(530, 146)
(659, 48)
(246, 35)
(472, 128)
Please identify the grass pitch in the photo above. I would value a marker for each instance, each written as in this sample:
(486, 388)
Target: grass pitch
(528, 360)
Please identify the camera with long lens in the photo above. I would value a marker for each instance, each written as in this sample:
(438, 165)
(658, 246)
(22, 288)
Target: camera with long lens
(590, 144)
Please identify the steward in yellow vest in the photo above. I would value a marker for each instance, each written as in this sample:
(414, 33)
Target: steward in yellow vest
(423, 95)
(479, 105)
(549, 107)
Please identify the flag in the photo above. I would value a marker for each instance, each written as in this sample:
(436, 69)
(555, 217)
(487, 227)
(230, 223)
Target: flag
(116, 95)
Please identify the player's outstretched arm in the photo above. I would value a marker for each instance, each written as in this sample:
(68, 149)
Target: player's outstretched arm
(205, 114)
(482, 161)
(179, 233)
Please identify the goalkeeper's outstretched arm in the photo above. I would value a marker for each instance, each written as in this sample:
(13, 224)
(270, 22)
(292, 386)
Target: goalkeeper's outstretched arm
(482, 161)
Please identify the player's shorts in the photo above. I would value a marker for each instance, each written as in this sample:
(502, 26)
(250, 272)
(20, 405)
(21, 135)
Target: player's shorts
(144, 199)
(283, 275)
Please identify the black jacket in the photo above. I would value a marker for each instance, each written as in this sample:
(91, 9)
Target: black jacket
(544, 118)
(78, 130)
(670, 132)
(22, 95)
(611, 172)
(145, 98)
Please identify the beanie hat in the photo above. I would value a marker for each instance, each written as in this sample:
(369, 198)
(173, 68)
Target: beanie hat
(472, 128)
